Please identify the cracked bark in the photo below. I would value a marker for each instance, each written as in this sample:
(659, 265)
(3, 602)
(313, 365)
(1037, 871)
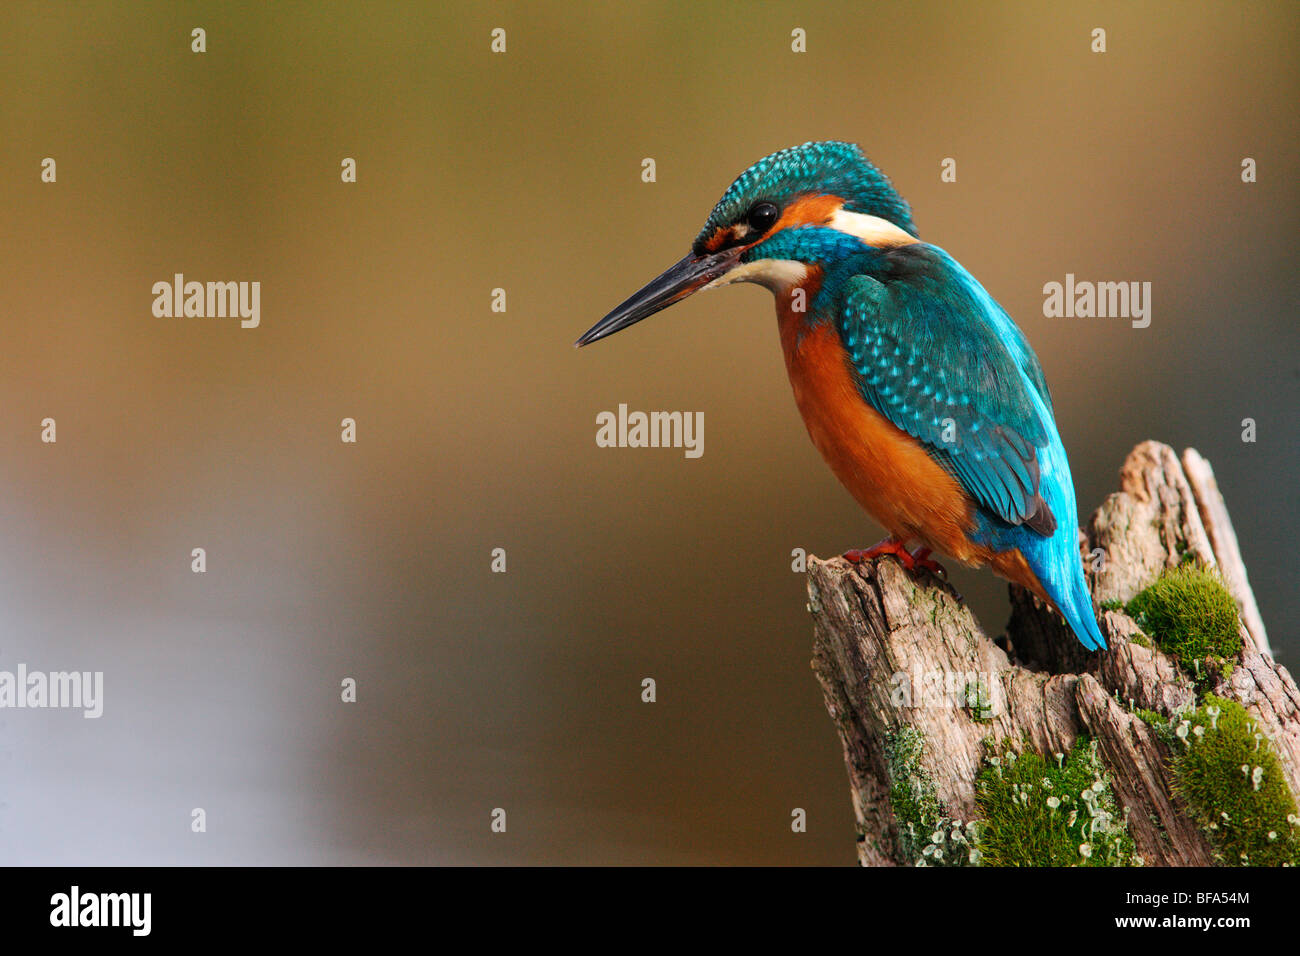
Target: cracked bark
(874, 622)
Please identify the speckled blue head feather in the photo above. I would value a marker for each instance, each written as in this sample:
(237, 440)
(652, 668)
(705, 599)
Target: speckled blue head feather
(829, 168)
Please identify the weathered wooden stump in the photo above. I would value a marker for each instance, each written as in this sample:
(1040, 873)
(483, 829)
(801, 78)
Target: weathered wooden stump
(895, 650)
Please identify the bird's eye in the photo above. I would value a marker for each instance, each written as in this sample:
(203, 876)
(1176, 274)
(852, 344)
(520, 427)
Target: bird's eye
(761, 216)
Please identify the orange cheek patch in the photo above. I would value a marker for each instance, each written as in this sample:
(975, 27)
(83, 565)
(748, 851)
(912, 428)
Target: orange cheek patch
(805, 211)
(720, 238)
(808, 211)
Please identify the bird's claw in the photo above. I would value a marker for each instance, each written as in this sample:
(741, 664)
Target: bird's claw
(921, 559)
(911, 561)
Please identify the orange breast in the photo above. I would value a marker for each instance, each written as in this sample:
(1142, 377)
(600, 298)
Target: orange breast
(885, 469)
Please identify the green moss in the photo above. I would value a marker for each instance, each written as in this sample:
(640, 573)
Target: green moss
(1114, 604)
(1049, 812)
(1151, 717)
(927, 835)
(1248, 814)
(1191, 615)
(911, 792)
(1140, 638)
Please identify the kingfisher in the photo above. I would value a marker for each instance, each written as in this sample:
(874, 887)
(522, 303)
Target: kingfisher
(919, 391)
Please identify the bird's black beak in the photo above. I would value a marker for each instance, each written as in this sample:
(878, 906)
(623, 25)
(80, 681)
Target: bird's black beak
(690, 275)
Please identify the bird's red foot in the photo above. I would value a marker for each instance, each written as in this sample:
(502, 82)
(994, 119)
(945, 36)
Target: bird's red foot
(911, 561)
(888, 546)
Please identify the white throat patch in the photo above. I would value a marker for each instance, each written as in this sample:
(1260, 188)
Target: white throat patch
(779, 275)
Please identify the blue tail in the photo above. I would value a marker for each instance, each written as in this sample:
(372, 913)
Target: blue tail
(1055, 560)
(1057, 564)
(1076, 607)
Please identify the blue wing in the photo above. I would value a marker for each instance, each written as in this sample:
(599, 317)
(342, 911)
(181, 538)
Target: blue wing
(933, 353)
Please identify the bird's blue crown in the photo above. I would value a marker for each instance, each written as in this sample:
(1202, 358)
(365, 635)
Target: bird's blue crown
(829, 168)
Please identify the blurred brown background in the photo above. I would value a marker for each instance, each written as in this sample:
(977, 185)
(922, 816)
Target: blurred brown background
(476, 429)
